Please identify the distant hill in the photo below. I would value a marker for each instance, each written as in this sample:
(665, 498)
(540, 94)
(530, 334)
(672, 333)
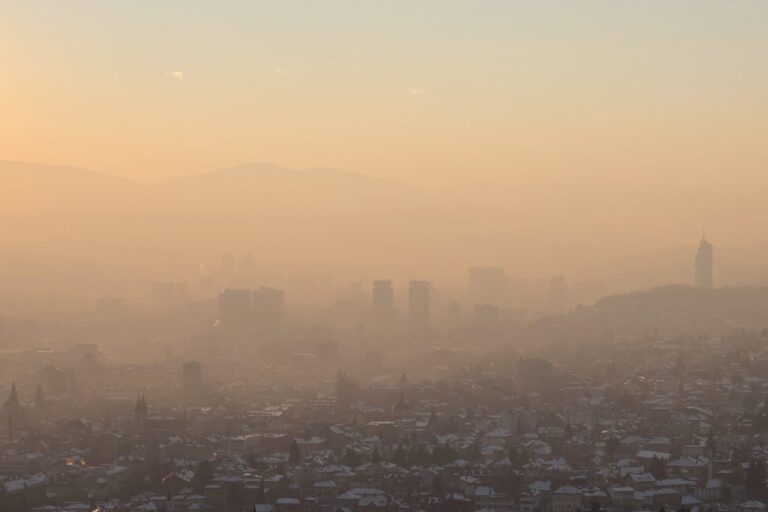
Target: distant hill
(36, 187)
(62, 225)
(54, 202)
(678, 310)
(614, 237)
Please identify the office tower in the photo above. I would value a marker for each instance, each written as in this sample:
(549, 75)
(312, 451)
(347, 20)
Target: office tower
(487, 285)
(486, 316)
(246, 269)
(704, 265)
(267, 307)
(533, 375)
(228, 269)
(209, 284)
(557, 293)
(235, 306)
(169, 294)
(191, 380)
(383, 303)
(12, 415)
(454, 314)
(418, 306)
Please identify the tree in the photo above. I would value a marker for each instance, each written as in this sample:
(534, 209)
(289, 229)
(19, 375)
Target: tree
(294, 456)
(657, 468)
(39, 397)
(400, 456)
(203, 475)
(755, 480)
(350, 458)
(472, 452)
(611, 446)
(418, 455)
(712, 443)
(158, 470)
(376, 457)
(261, 495)
(437, 486)
(235, 496)
(346, 388)
(134, 483)
(450, 504)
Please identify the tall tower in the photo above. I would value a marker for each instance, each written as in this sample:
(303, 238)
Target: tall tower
(558, 293)
(704, 265)
(383, 303)
(418, 306)
(12, 412)
(140, 410)
(488, 285)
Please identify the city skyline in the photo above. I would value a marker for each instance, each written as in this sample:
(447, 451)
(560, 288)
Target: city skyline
(359, 256)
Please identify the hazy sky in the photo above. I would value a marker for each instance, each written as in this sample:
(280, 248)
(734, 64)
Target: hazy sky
(434, 93)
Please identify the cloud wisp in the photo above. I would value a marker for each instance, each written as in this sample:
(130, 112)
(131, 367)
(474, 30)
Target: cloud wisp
(175, 74)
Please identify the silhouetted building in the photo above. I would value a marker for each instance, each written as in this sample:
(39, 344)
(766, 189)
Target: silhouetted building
(704, 265)
(454, 314)
(383, 303)
(418, 306)
(246, 271)
(141, 410)
(191, 380)
(533, 375)
(12, 413)
(55, 381)
(487, 285)
(267, 307)
(235, 308)
(557, 293)
(209, 283)
(228, 269)
(169, 294)
(486, 316)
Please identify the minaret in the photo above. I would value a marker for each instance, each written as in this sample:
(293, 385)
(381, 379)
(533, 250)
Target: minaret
(704, 264)
(13, 398)
(39, 397)
(141, 410)
(12, 409)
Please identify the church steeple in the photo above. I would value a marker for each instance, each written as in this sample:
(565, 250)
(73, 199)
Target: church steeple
(39, 397)
(13, 398)
(704, 264)
(401, 405)
(12, 411)
(141, 409)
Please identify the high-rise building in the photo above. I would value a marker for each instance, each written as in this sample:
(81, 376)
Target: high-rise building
(487, 285)
(704, 265)
(534, 375)
(267, 307)
(557, 293)
(418, 306)
(486, 317)
(191, 379)
(454, 314)
(169, 294)
(246, 269)
(243, 308)
(383, 302)
(235, 307)
(228, 269)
